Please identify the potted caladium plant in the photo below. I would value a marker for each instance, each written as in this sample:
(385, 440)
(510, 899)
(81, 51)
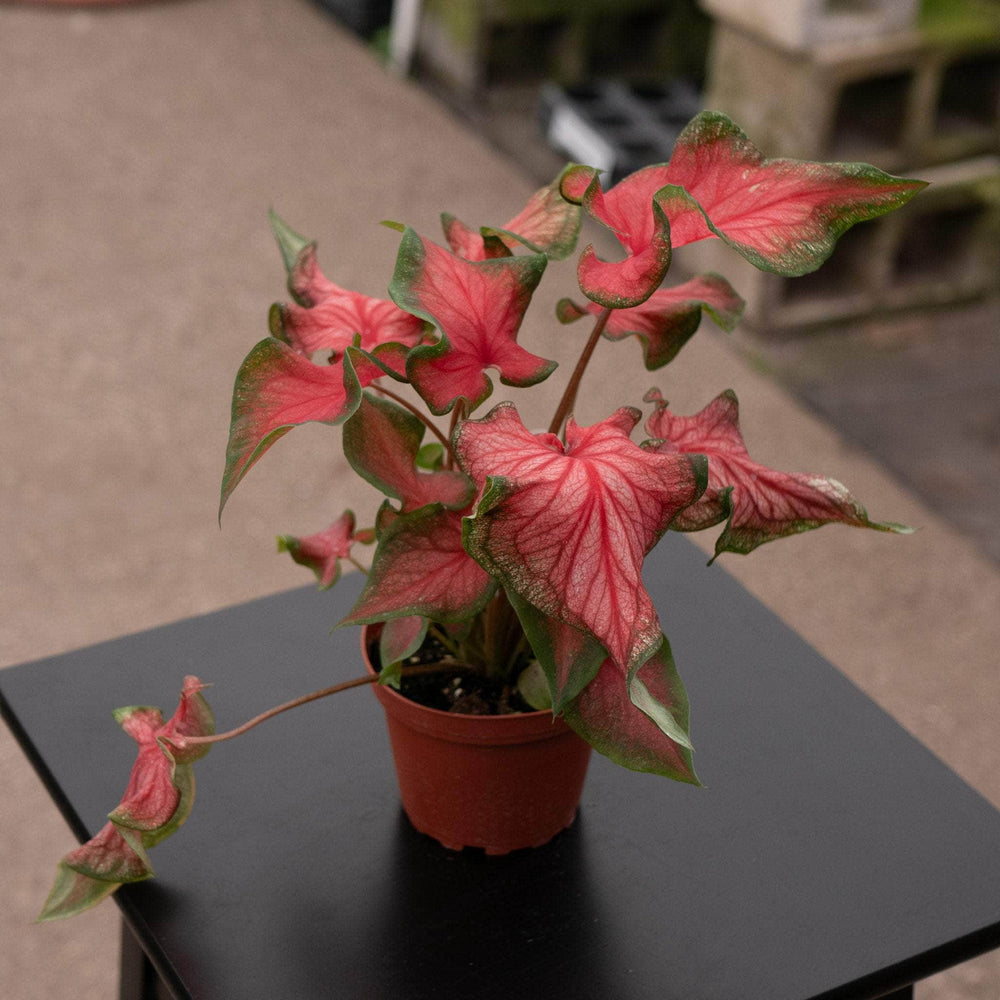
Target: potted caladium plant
(505, 586)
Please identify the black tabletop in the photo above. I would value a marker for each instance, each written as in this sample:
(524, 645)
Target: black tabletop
(830, 855)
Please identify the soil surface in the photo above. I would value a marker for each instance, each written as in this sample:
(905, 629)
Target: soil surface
(455, 689)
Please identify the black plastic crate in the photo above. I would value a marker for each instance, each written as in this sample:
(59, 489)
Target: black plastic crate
(616, 126)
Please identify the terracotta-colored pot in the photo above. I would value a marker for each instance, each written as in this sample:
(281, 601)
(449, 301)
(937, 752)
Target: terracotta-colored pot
(499, 782)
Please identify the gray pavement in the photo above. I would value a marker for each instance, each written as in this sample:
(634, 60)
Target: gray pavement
(141, 148)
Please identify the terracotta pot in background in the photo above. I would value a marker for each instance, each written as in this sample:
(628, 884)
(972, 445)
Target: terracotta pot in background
(499, 782)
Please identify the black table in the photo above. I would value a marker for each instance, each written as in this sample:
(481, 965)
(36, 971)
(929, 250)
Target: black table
(830, 855)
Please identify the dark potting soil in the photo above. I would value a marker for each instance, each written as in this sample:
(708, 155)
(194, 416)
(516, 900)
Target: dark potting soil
(454, 690)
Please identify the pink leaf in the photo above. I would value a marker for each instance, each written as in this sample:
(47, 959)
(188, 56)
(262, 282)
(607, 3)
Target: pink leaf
(155, 803)
(108, 857)
(782, 215)
(611, 721)
(478, 307)
(668, 318)
(73, 893)
(401, 637)
(322, 551)
(421, 568)
(381, 441)
(276, 389)
(761, 504)
(547, 224)
(334, 318)
(567, 528)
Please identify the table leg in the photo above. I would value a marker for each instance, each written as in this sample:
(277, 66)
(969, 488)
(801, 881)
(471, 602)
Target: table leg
(137, 977)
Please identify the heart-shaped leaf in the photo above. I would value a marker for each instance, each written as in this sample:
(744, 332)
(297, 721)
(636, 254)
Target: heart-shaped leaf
(567, 527)
(382, 442)
(761, 504)
(783, 215)
(668, 318)
(277, 389)
(478, 307)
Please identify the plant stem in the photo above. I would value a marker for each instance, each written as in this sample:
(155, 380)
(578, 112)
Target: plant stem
(457, 414)
(569, 396)
(441, 666)
(422, 417)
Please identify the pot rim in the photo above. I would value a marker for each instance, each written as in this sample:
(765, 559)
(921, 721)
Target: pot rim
(517, 727)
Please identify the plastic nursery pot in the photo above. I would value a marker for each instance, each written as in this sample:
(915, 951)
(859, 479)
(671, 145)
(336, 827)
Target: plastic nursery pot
(498, 782)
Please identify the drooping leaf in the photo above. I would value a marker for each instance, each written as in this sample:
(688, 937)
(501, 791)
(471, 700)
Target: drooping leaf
(322, 551)
(668, 318)
(192, 717)
(335, 318)
(276, 389)
(421, 568)
(155, 803)
(382, 441)
(627, 722)
(567, 528)
(108, 857)
(478, 307)
(547, 224)
(568, 657)
(761, 504)
(782, 215)
(73, 893)
(151, 797)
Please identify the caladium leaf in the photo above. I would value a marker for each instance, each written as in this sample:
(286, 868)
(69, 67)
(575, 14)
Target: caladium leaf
(668, 318)
(277, 389)
(401, 637)
(73, 893)
(547, 224)
(421, 568)
(782, 215)
(630, 730)
(290, 243)
(569, 657)
(155, 803)
(334, 318)
(323, 551)
(382, 441)
(478, 307)
(761, 504)
(567, 527)
(640, 222)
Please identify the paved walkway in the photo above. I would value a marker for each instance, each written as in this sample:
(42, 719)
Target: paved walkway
(141, 148)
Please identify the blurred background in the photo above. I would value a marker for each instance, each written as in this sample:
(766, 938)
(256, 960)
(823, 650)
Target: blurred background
(141, 145)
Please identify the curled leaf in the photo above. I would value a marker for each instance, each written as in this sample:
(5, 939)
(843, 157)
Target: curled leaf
(758, 504)
(322, 551)
(155, 803)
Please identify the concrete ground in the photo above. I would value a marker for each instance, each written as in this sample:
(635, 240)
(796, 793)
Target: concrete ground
(140, 150)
